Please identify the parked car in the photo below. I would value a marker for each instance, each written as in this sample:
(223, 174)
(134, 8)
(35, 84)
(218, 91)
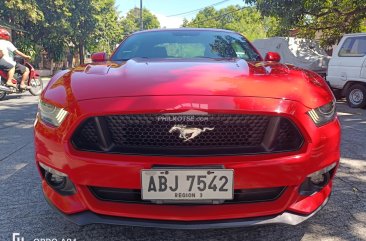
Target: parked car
(187, 128)
(347, 69)
(300, 52)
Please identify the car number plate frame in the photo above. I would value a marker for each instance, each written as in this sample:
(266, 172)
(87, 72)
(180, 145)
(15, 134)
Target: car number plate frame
(187, 185)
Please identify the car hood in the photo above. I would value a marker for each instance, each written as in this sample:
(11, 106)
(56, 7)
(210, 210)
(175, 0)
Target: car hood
(163, 77)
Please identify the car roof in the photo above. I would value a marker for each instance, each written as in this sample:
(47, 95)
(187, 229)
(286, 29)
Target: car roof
(355, 34)
(184, 29)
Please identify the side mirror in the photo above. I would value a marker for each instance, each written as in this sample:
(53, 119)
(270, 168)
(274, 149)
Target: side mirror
(99, 57)
(272, 56)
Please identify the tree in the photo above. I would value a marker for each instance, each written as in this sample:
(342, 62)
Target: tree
(63, 26)
(19, 11)
(185, 22)
(207, 18)
(363, 26)
(108, 32)
(131, 22)
(247, 21)
(52, 33)
(83, 22)
(331, 19)
(21, 15)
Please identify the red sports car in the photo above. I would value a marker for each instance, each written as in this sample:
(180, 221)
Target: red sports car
(187, 128)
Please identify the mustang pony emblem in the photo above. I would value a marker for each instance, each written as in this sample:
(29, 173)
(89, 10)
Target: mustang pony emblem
(188, 133)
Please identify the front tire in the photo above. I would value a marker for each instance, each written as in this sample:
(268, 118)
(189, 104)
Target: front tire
(36, 86)
(2, 95)
(356, 96)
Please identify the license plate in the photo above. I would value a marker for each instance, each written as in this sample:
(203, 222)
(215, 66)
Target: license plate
(187, 184)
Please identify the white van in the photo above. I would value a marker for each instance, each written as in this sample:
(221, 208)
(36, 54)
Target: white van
(347, 69)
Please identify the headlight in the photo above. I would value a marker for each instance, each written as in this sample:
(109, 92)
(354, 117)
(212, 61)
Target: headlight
(51, 114)
(323, 114)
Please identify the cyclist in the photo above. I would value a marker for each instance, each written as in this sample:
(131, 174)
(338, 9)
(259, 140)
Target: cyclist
(7, 63)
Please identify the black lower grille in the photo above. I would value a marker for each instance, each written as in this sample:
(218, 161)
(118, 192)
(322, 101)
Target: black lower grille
(134, 195)
(213, 134)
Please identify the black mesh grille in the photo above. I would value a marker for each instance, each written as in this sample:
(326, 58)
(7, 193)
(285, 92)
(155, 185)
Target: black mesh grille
(240, 195)
(285, 137)
(153, 134)
(145, 130)
(88, 135)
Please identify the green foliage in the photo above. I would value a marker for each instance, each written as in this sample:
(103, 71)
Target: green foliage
(21, 14)
(20, 11)
(26, 45)
(108, 31)
(206, 18)
(131, 22)
(52, 31)
(247, 21)
(363, 26)
(185, 23)
(63, 26)
(82, 20)
(329, 19)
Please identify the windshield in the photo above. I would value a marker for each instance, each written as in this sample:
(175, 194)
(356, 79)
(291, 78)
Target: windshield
(186, 44)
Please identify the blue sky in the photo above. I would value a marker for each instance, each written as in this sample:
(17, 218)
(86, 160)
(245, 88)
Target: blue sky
(163, 9)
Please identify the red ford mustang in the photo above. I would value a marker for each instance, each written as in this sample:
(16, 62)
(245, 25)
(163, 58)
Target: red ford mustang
(187, 128)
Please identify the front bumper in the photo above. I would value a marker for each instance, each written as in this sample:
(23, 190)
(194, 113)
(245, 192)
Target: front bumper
(88, 217)
(87, 169)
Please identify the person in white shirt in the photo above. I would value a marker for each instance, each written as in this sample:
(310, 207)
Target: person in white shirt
(7, 63)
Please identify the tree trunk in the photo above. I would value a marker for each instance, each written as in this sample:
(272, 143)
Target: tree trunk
(52, 66)
(81, 52)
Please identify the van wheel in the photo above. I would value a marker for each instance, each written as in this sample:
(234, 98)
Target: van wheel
(356, 96)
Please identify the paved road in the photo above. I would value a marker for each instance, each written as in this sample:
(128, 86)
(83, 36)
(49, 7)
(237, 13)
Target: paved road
(23, 209)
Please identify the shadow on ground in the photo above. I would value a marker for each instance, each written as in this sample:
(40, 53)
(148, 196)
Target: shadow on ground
(16, 111)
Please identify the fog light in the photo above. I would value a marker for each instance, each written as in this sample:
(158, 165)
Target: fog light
(316, 181)
(57, 180)
(54, 180)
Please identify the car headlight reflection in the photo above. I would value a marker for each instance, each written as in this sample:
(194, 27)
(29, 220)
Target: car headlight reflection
(51, 114)
(323, 114)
